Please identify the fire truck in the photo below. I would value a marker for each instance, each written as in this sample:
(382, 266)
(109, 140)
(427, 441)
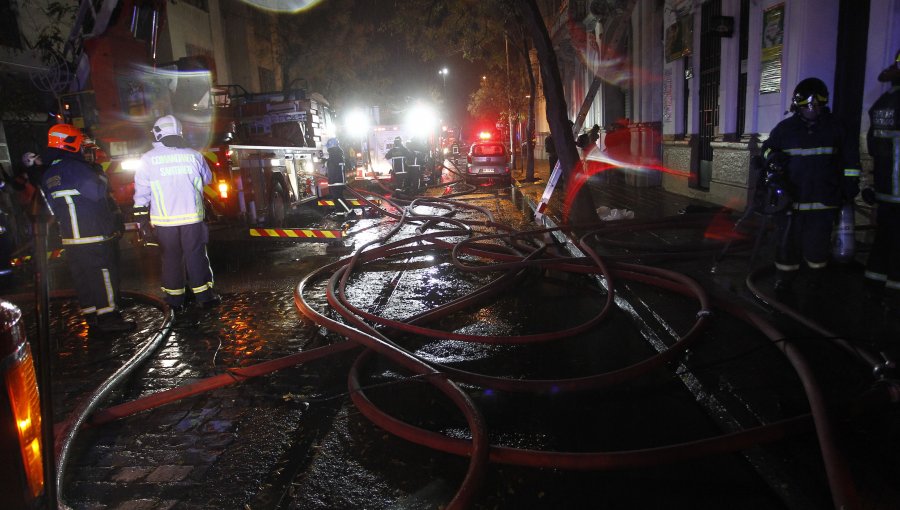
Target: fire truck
(265, 149)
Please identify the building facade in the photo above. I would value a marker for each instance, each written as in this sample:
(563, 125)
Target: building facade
(703, 82)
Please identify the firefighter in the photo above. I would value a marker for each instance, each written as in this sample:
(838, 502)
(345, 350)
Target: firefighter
(883, 139)
(168, 194)
(419, 151)
(821, 167)
(334, 167)
(78, 198)
(400, 158)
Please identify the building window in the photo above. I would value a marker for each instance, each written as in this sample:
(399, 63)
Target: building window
(9, 25)
(266, 80)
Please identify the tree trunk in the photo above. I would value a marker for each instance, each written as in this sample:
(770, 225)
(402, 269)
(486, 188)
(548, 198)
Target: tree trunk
(581, 208)
(529, 123)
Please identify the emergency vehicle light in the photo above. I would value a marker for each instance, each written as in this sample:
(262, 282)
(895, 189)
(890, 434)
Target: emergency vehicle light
(484, 135)
(223, 189)
(131, 164)
(21, 385)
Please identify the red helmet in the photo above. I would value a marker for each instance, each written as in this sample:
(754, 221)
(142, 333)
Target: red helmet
(66, 137)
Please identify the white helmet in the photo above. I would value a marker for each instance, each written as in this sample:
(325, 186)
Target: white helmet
(166, 126)
(29, 159)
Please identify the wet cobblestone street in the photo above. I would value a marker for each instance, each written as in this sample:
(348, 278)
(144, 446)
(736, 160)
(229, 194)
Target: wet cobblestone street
(297, 438)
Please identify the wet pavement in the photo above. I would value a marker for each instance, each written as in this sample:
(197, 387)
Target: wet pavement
(293, 438)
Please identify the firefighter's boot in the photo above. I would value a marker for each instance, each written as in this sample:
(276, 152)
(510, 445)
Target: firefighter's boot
(112, 322)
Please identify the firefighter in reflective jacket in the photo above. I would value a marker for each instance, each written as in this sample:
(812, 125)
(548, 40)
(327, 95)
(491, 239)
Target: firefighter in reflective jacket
(883, 139)
(822, 172)
(78, 198)
(168, 194)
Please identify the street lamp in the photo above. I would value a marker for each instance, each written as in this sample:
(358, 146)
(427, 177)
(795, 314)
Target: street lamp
(443, 72)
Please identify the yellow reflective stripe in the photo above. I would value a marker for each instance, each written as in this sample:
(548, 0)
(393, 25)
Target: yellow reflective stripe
(198, 197)
(872, 275)
(86, 240)
(816, 265)
(110, 295)
(852, 172)
(90, 309)
(787, 267)
(158, 197)
(65, 193)
(890, 284)
(815, 151)
(173, 292)
(175, 216)
(73, 215)
(168, 221)
(886, 133)
(203, 288)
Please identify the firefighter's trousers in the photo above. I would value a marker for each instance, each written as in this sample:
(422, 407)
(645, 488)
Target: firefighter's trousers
(803, 235)
(95, 274)
(884, 259)
(184, 251)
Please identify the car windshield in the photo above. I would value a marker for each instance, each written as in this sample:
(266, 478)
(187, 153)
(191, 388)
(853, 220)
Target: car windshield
(493, 149)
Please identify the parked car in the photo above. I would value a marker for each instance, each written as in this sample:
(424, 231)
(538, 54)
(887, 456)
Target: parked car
(488, 163)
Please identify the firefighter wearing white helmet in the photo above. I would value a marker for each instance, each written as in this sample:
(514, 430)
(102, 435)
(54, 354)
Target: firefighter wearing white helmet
(168, 194)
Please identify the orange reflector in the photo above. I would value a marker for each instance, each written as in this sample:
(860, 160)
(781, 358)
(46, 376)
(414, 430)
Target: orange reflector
(223, 189)
(26, 407)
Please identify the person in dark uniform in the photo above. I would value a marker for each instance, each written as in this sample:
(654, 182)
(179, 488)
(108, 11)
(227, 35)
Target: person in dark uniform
(883, 140)
(821, 165)
(78, 198)
(334, 167)
(400, 157)
(419, 151)
(550, 149)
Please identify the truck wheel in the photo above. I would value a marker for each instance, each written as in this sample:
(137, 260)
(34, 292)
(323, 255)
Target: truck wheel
(277, 208)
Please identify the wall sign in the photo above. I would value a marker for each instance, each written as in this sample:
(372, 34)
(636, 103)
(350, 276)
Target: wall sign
(678, 38)
(772, 44)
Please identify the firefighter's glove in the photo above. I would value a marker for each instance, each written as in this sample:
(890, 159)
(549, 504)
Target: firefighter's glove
(868, 196)
(776, 162)
(146, 235)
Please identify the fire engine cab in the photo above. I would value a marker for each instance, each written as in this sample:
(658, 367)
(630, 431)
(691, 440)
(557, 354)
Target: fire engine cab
(265, 149)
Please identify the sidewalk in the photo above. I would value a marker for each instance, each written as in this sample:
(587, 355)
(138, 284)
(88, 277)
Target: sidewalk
(840, 304)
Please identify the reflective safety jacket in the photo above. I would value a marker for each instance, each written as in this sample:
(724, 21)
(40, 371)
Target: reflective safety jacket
(78, 197)
(170, 180)
(883, 140)
(823, 161)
